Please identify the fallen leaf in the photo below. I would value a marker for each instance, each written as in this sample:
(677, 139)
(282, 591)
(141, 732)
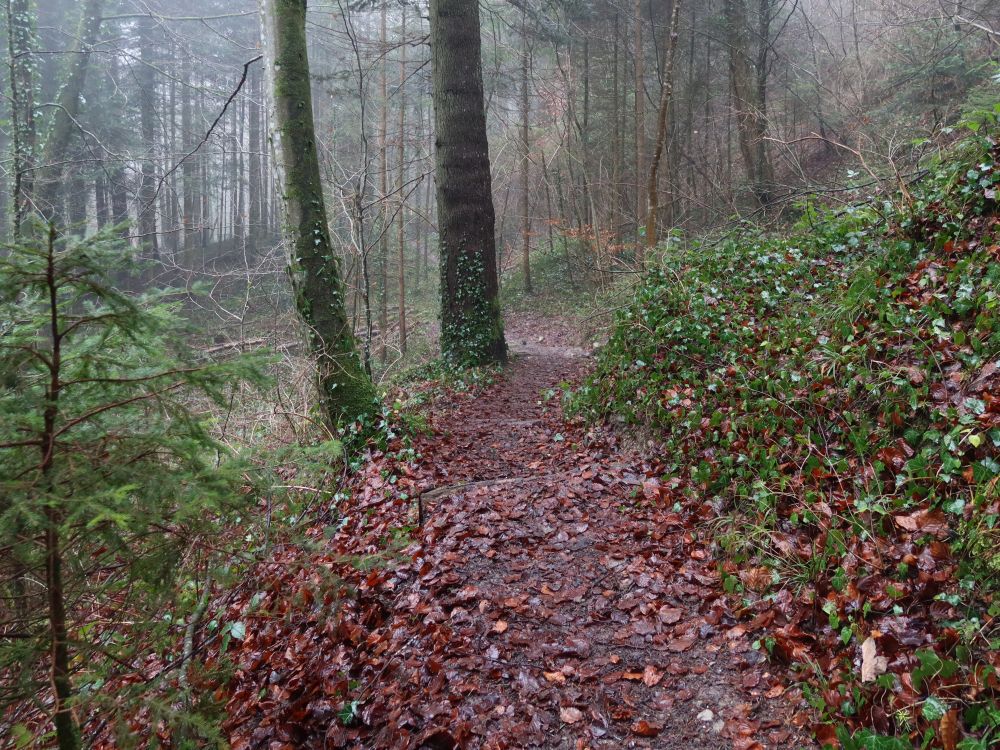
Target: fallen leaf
(646, 729)
(557, 677)
(872, 665)
(948, 730)
(500, 626)
(669, 615)
(570, 715)
(651, 676)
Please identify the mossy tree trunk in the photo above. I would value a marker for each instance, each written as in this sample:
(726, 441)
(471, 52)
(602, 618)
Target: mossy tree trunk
(346, 391)
(471, 324)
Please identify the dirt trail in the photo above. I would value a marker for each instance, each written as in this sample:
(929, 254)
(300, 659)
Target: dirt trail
(554, 597)
(564, 607)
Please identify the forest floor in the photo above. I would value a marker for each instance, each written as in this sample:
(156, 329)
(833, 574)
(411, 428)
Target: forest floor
(548, 600)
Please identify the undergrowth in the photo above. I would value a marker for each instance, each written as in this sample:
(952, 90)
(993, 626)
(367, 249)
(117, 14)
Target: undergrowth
(835, 392)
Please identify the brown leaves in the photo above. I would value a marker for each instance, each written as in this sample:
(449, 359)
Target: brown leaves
(646, 729)
(932, 522)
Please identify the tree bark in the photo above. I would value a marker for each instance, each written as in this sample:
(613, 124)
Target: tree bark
(401, 168)
(64, 119)
(640, 115)
(345, 390)
(21, 45)
(146, 209)
(471, 324)
(525, 154)
(383, 184)
(748, 84)
(662, 128)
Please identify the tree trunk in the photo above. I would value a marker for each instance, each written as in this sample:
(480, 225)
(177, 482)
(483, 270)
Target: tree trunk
(401, 167)
(662, 128)
(383, 184)
(64, 119)
(640, 115)
(748, 86)
(146, 209)
(471, 325)
(345, 390)
(21, 45)
(189, 168)
(525, 154)
(256, 145)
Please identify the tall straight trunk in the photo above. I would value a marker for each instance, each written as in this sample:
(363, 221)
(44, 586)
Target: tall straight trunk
(471, 324)
(662, 127)
(345, 390)
(748, 84)
(525, 153)
(614, 204)
(189, 168)
(204, 209)
(146, 209)
(401, 167)
(21, 46)
(64, 118)
(640, 115)
(102, 211)
(383, 186)
(256, 146)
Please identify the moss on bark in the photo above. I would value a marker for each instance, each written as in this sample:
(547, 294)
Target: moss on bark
(345, 389)
(471, 324)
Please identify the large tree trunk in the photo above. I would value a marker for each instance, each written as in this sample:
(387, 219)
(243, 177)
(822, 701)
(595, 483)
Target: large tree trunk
(748, 83)
(662, 128)
(64, 119)
(525, 153)
(345, 389)
(471, 325)
(640, 115)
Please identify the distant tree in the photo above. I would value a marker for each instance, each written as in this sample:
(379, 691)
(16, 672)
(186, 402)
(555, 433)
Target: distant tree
(471, 324)
(346, 391)
(749, 47)
(49, 188)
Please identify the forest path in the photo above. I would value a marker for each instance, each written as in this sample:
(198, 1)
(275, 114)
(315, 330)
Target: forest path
(561, 605)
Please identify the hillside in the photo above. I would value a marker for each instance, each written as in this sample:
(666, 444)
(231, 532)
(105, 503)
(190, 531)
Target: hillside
(833, 393)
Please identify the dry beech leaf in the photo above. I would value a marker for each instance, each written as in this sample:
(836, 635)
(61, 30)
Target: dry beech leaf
(570, 715)
(872, 665)
(500, 626)
(646, 729)
(557, 677)
(669, 615)
(948, 730)
(651, 676)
